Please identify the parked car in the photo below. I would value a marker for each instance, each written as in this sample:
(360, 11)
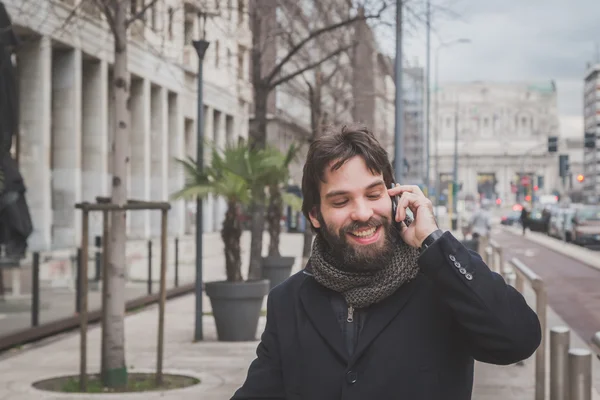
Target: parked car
(586, 226)
(512, 218)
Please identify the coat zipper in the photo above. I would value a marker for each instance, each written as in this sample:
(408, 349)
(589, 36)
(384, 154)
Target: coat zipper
(350, 314)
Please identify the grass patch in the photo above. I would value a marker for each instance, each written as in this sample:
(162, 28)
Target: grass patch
(137, 382)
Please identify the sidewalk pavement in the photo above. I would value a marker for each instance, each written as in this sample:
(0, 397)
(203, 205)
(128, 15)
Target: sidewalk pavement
(221, 367)
(586, 256)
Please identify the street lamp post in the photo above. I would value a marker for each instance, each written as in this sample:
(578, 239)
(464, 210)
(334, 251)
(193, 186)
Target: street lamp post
(436, 115)
(399, 110)
(200, 46)
(428, 102)
(454, 221)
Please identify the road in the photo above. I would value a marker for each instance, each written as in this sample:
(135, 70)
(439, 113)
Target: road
(573, 288)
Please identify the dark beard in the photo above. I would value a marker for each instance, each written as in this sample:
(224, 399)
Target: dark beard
(345, 255)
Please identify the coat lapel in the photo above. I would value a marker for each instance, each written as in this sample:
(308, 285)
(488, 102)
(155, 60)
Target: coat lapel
(381, 314)
(315, 300)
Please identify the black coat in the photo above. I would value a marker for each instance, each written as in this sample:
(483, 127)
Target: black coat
(418, 344)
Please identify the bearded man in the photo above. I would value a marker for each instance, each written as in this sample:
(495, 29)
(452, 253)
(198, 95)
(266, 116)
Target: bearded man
(388, 307)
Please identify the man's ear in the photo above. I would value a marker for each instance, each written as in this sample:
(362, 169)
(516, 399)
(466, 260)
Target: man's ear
(313, 218)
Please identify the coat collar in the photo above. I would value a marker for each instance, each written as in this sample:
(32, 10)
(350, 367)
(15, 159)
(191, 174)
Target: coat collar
(316, 304)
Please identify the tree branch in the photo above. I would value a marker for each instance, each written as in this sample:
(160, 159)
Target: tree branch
(108, 13)
(315, 34)
(309, 66)
(140, 13)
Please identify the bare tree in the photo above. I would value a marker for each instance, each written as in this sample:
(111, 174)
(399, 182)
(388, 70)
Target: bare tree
(119, 14)
(277, 45)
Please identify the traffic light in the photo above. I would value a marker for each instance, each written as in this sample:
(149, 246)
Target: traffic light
(563, 165)
(580, 178)
(552, 144)
(590, 140)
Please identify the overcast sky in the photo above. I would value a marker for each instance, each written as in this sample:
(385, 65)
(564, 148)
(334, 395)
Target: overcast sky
(513, 40)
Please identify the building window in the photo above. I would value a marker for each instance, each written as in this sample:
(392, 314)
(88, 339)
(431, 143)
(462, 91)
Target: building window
(170, 23)
(448, 122)
(240, 62)
(241, 11)
(485, 122)
(188, 27)
(217, 54)
(524, 121)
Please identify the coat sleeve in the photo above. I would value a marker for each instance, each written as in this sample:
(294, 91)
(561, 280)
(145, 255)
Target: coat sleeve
(264, 380)
(494, 317)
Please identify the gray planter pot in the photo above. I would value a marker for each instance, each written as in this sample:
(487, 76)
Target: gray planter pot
(236, 308)
(277, 269)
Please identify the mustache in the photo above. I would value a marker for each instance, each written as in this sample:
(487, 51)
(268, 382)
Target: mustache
(371, 223)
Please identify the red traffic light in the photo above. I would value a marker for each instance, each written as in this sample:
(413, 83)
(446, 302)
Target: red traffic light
(580, 178)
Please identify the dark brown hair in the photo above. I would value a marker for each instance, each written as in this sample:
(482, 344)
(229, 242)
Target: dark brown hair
(339, 145)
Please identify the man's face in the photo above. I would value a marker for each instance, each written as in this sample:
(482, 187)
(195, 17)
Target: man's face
(355, 216)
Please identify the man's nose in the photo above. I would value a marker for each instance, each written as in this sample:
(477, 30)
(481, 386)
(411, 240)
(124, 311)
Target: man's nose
(362, 212)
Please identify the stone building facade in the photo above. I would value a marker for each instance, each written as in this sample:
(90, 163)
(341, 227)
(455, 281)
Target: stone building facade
(503, 130)
(66, 115)
(591, 116)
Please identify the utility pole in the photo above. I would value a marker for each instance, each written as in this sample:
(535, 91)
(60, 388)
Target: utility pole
(427, 103)
(200, 46)
(398, 134)
(455, 173)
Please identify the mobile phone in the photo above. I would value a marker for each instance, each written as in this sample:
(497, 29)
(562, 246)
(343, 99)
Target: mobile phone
(394, 205)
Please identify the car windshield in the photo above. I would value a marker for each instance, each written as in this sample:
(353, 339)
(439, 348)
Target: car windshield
(589, 214)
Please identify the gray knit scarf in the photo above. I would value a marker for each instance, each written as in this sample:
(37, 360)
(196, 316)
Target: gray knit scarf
(361, 289)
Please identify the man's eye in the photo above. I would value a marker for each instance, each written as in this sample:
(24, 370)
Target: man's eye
(374, 196)
(340, 203)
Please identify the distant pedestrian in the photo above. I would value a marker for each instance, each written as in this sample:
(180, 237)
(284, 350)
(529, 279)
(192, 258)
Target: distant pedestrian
(388, 307)
(481, 221)
(524, 218)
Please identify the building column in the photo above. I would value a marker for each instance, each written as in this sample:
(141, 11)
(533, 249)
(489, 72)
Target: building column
(175, 173)
(66, 146)
(220, 134)
(139, 181)
(208, 203)
(94, 146)
(34, 63)
(158, 153)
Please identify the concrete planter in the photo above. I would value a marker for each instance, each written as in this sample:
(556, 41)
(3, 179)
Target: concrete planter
(277, 269)
(236, 308)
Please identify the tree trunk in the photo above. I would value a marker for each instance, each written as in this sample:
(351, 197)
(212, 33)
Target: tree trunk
(231, 234)
(257, 141)
(316, 122)
(274, 214)
(114, 371)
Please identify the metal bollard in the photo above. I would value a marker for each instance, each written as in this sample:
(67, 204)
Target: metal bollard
(78, 282)
(559, 362)
(596, 344)
(489, 257)
(176, 262)
(35, 290)
(580, 374)
(98, 259)
(149, 266)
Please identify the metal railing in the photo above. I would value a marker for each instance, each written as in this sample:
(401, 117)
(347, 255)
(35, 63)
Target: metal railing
(570, 368)
(524, 273)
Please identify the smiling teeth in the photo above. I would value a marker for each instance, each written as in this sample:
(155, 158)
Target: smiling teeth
(366, 233)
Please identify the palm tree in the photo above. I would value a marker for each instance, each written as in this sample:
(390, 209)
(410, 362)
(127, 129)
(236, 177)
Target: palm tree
(236, 173)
